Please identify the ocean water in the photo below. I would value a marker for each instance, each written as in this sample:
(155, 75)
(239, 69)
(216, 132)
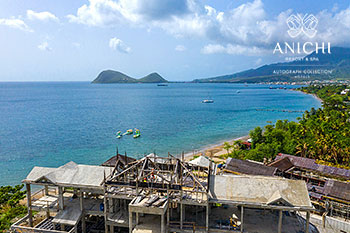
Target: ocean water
(49, 124)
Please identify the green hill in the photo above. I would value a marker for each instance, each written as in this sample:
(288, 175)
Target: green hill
(152, 78)
(338, 61)
(111, 76)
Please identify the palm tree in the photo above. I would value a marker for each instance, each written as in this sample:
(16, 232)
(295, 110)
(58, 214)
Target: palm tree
(227, 147)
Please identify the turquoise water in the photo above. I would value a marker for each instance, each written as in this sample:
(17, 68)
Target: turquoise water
(49, 124)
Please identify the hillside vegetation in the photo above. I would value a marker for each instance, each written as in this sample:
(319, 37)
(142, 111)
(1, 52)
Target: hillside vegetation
(111, 76)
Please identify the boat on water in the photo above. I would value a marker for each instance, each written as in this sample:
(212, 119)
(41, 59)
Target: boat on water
(129, 131)
(137, 133)
(162, 85)
(238, 91)
(208, 101)
(119, 134)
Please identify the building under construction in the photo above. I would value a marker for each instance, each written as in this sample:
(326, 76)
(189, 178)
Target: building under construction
(161, 194)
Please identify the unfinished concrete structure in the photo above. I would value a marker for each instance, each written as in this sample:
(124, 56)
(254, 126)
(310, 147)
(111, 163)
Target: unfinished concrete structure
(164, 194)
(77, 194)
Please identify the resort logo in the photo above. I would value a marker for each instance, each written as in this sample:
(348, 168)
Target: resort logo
(299, 24)
(302, 46)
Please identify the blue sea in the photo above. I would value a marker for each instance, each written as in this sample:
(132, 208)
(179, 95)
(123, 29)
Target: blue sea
(50, 124)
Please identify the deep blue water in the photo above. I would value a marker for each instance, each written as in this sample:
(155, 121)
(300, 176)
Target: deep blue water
(49, 124)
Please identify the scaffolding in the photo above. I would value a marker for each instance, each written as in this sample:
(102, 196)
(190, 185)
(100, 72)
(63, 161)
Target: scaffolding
(155, 186)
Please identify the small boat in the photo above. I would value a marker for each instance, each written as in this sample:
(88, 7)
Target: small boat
(162, 85)
(137, 133)
(119, 134)
(238, 91)
(208, 101)
(129, 131)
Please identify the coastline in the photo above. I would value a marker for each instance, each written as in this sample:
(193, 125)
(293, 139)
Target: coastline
(214, 151)
(314, 95)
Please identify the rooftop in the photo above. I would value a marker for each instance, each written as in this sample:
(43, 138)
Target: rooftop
(70, 174)
(310, 164)
(249, 167)
(259, 191)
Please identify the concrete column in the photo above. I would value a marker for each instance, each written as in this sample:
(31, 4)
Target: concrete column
(137, 218)
(242, 217)
(280, 221)
(167, 217)
(46, 188)
(181, 216)
(307, 222)
(29, 205)
(162, 224)
(81, 200)
(130, 222)
(207, 218)
(60, 198)
(105, 210)
(83, 224)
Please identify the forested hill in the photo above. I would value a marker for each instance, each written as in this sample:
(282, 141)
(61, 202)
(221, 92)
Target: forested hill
(111, 76)
(338, 61)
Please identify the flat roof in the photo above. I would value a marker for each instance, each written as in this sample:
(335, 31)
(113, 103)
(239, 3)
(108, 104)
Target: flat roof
(259, 191)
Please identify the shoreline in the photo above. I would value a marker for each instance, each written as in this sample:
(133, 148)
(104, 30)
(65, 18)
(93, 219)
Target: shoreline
(314, 95)
(214, 150)
(217, 149)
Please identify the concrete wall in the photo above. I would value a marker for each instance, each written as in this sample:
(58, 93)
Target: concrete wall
(332, 224)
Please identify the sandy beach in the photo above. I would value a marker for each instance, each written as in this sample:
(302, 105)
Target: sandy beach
(214, 151)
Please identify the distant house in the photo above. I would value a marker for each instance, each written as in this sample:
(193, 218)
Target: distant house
(309, 165)
(321, 188)
(247, 145)
(345, 91)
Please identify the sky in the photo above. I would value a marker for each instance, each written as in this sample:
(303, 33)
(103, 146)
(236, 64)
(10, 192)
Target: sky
(65, 40)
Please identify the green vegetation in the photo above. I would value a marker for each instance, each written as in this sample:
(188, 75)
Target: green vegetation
(111, 76)
(152, 78)
(322, 134)
(9, 205)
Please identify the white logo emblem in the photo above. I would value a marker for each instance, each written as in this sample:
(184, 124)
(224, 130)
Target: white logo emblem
(298, 24)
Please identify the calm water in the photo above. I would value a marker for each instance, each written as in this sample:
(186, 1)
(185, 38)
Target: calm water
(49, 124)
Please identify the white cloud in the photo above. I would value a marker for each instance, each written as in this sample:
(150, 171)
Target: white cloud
(98, 13)
(118, 44)
(44, 46)
(16, 23)
(232, 49)
(109, 12)
(245, 28)
(43, 16)
(180, 48)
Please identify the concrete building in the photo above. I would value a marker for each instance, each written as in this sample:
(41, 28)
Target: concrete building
(162, 194)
